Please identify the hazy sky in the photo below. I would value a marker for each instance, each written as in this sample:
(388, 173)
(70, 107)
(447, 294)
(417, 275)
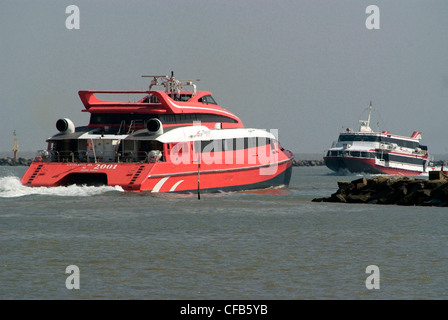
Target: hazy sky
(306, 68)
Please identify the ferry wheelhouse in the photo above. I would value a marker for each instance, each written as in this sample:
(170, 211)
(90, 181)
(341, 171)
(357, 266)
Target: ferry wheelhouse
(366, 151)
(170, 140)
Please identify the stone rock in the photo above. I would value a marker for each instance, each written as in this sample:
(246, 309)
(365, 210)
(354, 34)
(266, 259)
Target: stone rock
(307, 163)
(13, 162)
(391, 190)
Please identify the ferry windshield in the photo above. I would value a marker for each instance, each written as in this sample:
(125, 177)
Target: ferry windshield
(207, 99)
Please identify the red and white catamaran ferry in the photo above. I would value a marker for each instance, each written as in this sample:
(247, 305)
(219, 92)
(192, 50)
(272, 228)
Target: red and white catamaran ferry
(366, 151)
(170, 140)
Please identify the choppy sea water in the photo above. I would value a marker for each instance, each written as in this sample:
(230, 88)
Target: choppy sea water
(274, 244)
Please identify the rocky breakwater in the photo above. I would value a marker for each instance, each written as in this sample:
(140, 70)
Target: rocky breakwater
(393, 190)
(307, 163)
(14, 162)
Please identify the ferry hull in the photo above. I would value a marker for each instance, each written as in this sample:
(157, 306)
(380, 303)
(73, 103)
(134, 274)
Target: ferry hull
(369, 166)
(159, 177)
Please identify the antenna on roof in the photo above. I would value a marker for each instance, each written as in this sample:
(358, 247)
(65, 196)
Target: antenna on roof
(15, 147)
(370, 111)
(365, 124)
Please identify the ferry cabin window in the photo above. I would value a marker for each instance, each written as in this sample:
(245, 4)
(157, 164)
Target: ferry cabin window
(359, 154)
(367, 138)
(354, 137)
(146, 146)
(150, 99)
(63, 150)
(180, 97)
(153, 99)
(117, 118)
(207, 99)
(397, 158)
(149, 145)
(233, 144)
(183, 97)
(63, 145)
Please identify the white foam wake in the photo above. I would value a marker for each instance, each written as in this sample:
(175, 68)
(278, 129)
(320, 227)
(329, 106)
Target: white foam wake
(11, 187)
